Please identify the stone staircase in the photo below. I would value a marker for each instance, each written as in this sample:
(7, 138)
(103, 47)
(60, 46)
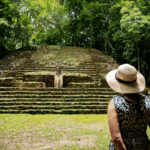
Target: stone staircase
(87, 68)
(54, 101)
(77, 98)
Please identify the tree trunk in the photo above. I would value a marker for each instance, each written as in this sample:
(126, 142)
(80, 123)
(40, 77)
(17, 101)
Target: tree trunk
(110, 45)
(105, 47)
(87, 44)
(138, 56)
(149, 78)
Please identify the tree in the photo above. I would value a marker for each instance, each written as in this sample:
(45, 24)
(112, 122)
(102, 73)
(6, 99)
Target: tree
(88, 22)
(133, 22)
(5, 20)
(129, 34)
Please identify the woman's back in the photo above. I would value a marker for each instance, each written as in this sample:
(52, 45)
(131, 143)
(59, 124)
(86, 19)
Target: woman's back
(133, 116)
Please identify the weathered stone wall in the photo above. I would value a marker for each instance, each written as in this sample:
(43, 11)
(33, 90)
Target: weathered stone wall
(6, 81)
(104, 82)
(46, 77)
(75, 77)
(29, 84)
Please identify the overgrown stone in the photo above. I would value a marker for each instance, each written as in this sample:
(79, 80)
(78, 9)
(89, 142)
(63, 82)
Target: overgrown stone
(83, 85)
(43, 76)
(48, 77)
(75, 77)
(104, 82)
(6, 81)
(29, 84)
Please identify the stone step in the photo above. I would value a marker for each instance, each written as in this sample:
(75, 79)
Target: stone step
(54, 103)
(5, 71)
(85, 84)
(52, 67)
(36, 69)
(85, 70)
(52, 89)
(52, 111)
(58, 92)
(58, 107)
(32, 66)
(94, 84)
(54, 96)
(65, 68)
(92, 73)
(54, 99)
(33, 70)
(87, 63)
(86, 67)
(19, 78)
(73, 69)
(96, 78)
(28, 84)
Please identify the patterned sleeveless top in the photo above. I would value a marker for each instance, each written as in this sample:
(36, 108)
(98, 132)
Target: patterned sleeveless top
(133, 124)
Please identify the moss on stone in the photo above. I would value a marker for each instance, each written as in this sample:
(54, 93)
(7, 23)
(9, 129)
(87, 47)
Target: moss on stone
(40, 73)
(48, 77)
(6, 81)
(28, 84)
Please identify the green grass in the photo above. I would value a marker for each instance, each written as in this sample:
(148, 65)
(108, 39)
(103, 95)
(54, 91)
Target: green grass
(75, 132)
(41, 131)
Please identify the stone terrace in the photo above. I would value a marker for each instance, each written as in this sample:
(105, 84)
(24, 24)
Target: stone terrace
(20, 96)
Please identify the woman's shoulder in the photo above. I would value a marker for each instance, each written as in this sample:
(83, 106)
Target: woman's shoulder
(146, 100)
(145, 97)
(117, 98)
(111, 105)
(116, 101)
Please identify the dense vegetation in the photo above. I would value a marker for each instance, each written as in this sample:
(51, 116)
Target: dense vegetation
(118, 28)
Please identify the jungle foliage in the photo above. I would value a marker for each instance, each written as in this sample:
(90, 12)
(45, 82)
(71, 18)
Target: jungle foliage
(119, 28)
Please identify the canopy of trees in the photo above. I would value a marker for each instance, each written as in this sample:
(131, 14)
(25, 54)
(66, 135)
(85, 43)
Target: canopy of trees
(118, 28)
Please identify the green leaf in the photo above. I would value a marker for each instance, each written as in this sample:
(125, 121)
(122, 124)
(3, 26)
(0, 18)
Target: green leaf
(3, 21)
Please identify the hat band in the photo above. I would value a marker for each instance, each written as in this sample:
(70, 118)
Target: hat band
(121, 81)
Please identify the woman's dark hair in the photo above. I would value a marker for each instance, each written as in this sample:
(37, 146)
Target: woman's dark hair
(136, 97)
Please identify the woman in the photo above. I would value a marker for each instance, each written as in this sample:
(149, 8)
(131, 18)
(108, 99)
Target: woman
(129, 112)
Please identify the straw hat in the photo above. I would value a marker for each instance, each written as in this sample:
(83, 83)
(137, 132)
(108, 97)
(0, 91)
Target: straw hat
(126, 79)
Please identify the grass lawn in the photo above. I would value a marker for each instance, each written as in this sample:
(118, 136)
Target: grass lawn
(62, 132)
(25, 131)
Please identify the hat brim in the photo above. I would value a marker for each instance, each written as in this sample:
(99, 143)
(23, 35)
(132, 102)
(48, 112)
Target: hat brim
(119, 87)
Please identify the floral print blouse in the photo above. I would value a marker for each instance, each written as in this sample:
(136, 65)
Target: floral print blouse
(133, 123)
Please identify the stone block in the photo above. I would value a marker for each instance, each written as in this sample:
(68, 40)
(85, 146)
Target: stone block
(83, 85)
(44, 76)
(29, 84)
(6, 81)
(104, 82)
(75, 77)
(48, 78)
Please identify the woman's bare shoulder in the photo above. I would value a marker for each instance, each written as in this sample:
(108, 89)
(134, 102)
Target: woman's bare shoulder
(111, 105)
